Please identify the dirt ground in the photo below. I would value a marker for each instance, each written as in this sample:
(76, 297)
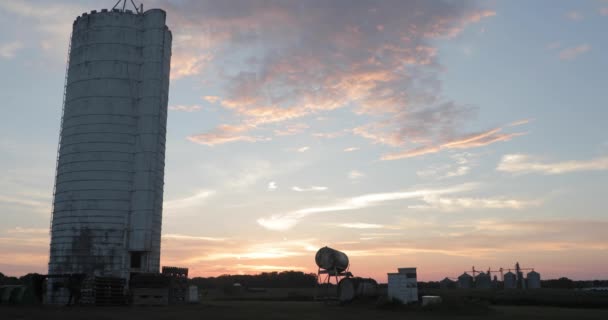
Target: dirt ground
(290, 310)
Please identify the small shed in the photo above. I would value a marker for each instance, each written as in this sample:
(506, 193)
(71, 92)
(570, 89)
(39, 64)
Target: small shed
(403, 285)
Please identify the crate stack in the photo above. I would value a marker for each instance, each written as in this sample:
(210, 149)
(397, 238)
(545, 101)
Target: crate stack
(87, 291)
(178, 284)
(150, 289)
(103, 291)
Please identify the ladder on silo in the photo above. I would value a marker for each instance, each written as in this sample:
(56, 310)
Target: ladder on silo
(65, 88)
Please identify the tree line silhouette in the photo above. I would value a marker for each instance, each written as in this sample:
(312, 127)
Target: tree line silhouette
(298, 279)
(284, 279)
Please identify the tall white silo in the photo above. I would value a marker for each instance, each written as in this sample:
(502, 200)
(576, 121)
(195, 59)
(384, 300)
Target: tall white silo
(107, 207)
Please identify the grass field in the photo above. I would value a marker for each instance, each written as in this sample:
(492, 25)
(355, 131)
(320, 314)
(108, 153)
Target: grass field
(293, 310)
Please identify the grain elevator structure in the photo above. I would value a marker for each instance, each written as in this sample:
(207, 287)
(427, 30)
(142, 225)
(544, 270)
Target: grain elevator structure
(108, 195)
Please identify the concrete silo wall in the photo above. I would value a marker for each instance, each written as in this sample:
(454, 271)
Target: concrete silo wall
(110, 170)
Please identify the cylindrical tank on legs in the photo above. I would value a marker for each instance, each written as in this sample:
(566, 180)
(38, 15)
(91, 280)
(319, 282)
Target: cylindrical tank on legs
(331, 259)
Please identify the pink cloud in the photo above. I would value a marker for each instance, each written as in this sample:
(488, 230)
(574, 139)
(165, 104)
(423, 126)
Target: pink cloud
(212, 99)
(436, 249)
(450, 27)
(225, 134)
(573, 52)
(423, 125)
(296, 60)
(520, 122)
(574, 15)
(372, 132)
(183, 65)
(462, 142)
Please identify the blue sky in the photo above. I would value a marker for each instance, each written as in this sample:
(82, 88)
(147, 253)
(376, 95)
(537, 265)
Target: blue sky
(435, 134)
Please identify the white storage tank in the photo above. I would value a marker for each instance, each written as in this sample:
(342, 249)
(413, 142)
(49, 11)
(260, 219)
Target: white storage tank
(403, 285)
(107, 207)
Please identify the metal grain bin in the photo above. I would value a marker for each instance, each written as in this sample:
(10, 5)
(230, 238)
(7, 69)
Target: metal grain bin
(483, 281)
(510, 280)
(447, 283)
(533, 279)
(465, 281)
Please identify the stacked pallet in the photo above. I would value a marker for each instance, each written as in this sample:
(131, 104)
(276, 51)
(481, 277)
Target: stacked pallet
(87, 292)
(150, 289)
(178, 285)
(109, 291)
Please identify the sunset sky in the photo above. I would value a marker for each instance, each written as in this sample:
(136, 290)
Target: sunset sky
(432, 134)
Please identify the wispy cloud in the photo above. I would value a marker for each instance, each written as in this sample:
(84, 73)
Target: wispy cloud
(272, 185)
(574, 15)
(554, 45)
(51, 35)
(463, 142)
(197, 199)
(288, 220)
(226, 134)
(461, 167)
(520, 122)
(443, 172)
(355, 175)
(521, 163)
(32, 201)
(291, 129)
(303, 149)
(362, 225)
(8, 50)
(265, 267)
(194, 238)
(313, 188)
(212, 99)
(454, 204)
(351, 149)
(245, 173)
(329, 135)
(32, 231)
(573, 52)
(183, 65)
(257, 251)
(191, 108)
